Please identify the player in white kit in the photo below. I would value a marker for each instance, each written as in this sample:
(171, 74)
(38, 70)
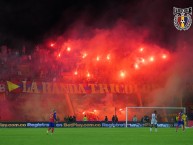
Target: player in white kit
(153, 121)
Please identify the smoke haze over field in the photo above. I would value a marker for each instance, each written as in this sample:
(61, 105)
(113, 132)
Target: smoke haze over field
(104, 42)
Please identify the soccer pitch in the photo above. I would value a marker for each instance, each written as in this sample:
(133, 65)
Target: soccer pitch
(95, 136)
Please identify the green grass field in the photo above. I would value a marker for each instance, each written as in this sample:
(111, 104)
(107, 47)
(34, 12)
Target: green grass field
(95, 136)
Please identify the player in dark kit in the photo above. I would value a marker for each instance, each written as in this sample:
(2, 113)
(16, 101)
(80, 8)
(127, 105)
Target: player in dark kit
(52, 120)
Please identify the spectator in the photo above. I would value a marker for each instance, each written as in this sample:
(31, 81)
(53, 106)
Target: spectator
(70, 119)
(85, 118)
(74, 118)
(65, 119)
(113, 119)
(106, 119)
(145, 119)
(116, 119)
(134, 118)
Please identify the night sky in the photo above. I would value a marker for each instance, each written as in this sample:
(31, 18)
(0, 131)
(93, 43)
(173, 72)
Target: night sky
(29, 21)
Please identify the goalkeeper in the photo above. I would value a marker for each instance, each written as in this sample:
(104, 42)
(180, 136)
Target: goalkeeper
(52, 119)
(184, 118)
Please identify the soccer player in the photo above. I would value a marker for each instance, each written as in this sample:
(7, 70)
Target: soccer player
(184, 118)
(52, 119)
(153, 121)
(180, 121)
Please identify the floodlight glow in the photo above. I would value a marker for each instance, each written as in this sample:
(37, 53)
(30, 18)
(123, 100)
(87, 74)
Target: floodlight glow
(142, 60)
(164, 56)
(141, 49)
(151, 58)
(52, 44)
(98, 58)
(108, 57)
(68, 49)
(136, 66)
(75, 73)
(88, 75)
(122, 74)
(84, 55)
(59, 54)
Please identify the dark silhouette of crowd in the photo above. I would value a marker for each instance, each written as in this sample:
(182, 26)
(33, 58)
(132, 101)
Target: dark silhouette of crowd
(114, 119)
(43, 64)
(145, 119)
(70, 119)
(20, 65)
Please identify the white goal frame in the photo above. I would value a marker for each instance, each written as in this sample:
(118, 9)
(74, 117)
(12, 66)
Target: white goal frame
(173, 108)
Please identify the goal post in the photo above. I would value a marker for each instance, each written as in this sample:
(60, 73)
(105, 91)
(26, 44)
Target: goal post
(152, 108)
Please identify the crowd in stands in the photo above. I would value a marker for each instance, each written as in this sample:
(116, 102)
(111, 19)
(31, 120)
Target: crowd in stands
(70, 119)
(42, 64)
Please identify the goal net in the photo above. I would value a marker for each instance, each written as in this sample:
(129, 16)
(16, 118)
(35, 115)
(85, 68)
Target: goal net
(143, 114)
